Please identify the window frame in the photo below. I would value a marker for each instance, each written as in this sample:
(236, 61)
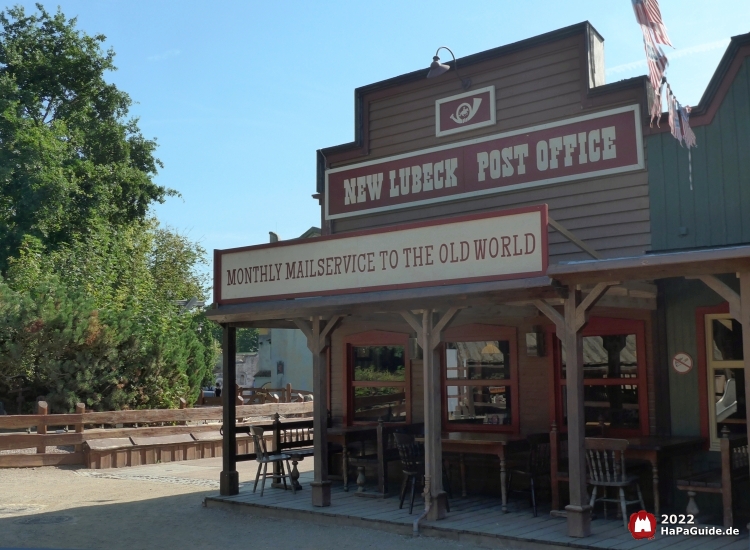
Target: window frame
(608, 326)
(478, 333)
(374, 338)
(708, 376)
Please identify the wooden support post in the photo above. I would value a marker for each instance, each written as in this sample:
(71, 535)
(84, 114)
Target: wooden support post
(569, 327)
(428, 337)
(229, 482)
(579, 511)
(318, 339)
(80, 409)
(745, 315)
(41, 429)
(288, 396)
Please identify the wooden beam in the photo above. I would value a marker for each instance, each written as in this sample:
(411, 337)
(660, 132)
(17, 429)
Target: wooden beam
(582, 310)
(229, 481)
(725, 291)
(414, 323)
(306, 328)
(552, 314)
(575, 240)
(579, 511)
(745, 321)
(441, 324)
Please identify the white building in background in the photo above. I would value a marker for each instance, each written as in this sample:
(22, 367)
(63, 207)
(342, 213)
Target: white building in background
(282, 357)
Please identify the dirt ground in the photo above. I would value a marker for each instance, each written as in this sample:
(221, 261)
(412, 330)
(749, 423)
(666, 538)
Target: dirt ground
(158, 506)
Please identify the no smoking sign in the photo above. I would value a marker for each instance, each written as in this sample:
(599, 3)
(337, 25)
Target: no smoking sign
(682, 363)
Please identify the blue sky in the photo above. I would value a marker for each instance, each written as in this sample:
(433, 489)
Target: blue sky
(240, 94)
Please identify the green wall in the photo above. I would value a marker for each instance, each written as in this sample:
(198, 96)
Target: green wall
(682, 296)
(717, 211)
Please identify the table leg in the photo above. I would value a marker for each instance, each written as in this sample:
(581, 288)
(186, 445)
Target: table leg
(345, 468)
(503, 488)
(294, 474)
(655, 476)
(463, 474)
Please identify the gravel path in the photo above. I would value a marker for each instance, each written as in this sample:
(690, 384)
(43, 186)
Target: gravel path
(158, 506)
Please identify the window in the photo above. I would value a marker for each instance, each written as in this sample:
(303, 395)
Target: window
(480, 375)
(378, 377)
(614, 385)
(726, 377)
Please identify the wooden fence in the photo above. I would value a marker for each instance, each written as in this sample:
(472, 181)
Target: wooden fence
(44, 430)
(254, 396)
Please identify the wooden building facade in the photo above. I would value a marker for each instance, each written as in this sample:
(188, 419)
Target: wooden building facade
(581, 322)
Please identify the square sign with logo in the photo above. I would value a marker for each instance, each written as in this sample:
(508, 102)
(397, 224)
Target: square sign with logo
(463, 112)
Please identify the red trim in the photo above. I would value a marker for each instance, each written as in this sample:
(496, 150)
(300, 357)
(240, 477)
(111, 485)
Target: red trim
(700, 341)
(542, 209)
(602, 326)
(373, 338)
(474, 333)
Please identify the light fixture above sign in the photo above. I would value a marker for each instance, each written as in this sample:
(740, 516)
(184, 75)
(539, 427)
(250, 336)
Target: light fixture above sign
(437, 68)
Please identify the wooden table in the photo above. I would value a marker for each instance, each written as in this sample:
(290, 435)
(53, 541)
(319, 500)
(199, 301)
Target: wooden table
(347, 435)
(484, 444)
(653, 448)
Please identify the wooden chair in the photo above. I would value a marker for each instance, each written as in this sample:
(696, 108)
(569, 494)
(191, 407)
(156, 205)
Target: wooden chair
(605, 464)
(535, 466)
(263, 457)
(734, 468)
(412, 462)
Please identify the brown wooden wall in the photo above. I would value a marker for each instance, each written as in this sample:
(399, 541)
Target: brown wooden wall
(533, 86)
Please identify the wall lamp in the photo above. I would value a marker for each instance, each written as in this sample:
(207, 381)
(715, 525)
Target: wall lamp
(437, 68)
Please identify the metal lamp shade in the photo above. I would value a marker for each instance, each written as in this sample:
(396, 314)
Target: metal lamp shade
(437, 68)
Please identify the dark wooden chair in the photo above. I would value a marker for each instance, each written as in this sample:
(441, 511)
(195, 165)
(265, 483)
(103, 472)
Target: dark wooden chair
(534, 465)
(411, 454)
(605, 465)
(263, 457)
(722, 480)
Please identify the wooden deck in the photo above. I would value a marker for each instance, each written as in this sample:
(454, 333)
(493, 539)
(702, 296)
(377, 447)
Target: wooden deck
(477, 520)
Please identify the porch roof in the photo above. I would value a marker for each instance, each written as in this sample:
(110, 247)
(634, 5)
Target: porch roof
(279, 313)
(653, 266)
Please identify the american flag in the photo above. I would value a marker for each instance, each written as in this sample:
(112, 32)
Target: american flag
(648, 15)
(657, 61)
(687, 131)
(674, 116)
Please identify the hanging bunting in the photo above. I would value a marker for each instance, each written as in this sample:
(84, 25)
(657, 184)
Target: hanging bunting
(674, 115)
(648, 15)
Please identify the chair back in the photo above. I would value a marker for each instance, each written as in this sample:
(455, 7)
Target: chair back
(261, 451)
(539, 453)
(605, 459)
(410, 452)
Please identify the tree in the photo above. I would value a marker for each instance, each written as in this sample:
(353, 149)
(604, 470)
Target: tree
(88, 281)
(69, 156)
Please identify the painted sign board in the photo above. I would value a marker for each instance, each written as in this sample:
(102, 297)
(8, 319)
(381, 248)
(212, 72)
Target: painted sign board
(463, 112)
(593, 145)
(489, 246)
(682, 363)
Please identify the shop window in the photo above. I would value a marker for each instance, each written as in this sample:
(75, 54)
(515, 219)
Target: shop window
(480, 380)
(378, 378)
(614, 373)
(726, 377)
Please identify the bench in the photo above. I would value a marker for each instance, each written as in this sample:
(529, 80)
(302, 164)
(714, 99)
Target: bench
(734, 468)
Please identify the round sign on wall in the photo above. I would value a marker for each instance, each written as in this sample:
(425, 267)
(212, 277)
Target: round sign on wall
(682, 363)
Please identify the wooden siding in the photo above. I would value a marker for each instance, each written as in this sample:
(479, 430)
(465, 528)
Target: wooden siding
(611, 214)
(532, 87)
(682, 297)
(716, 211)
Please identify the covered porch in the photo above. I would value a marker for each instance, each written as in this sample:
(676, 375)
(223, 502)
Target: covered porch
(566, 296)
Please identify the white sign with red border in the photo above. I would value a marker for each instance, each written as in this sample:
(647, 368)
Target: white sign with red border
(682, 363)
(489, 246)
